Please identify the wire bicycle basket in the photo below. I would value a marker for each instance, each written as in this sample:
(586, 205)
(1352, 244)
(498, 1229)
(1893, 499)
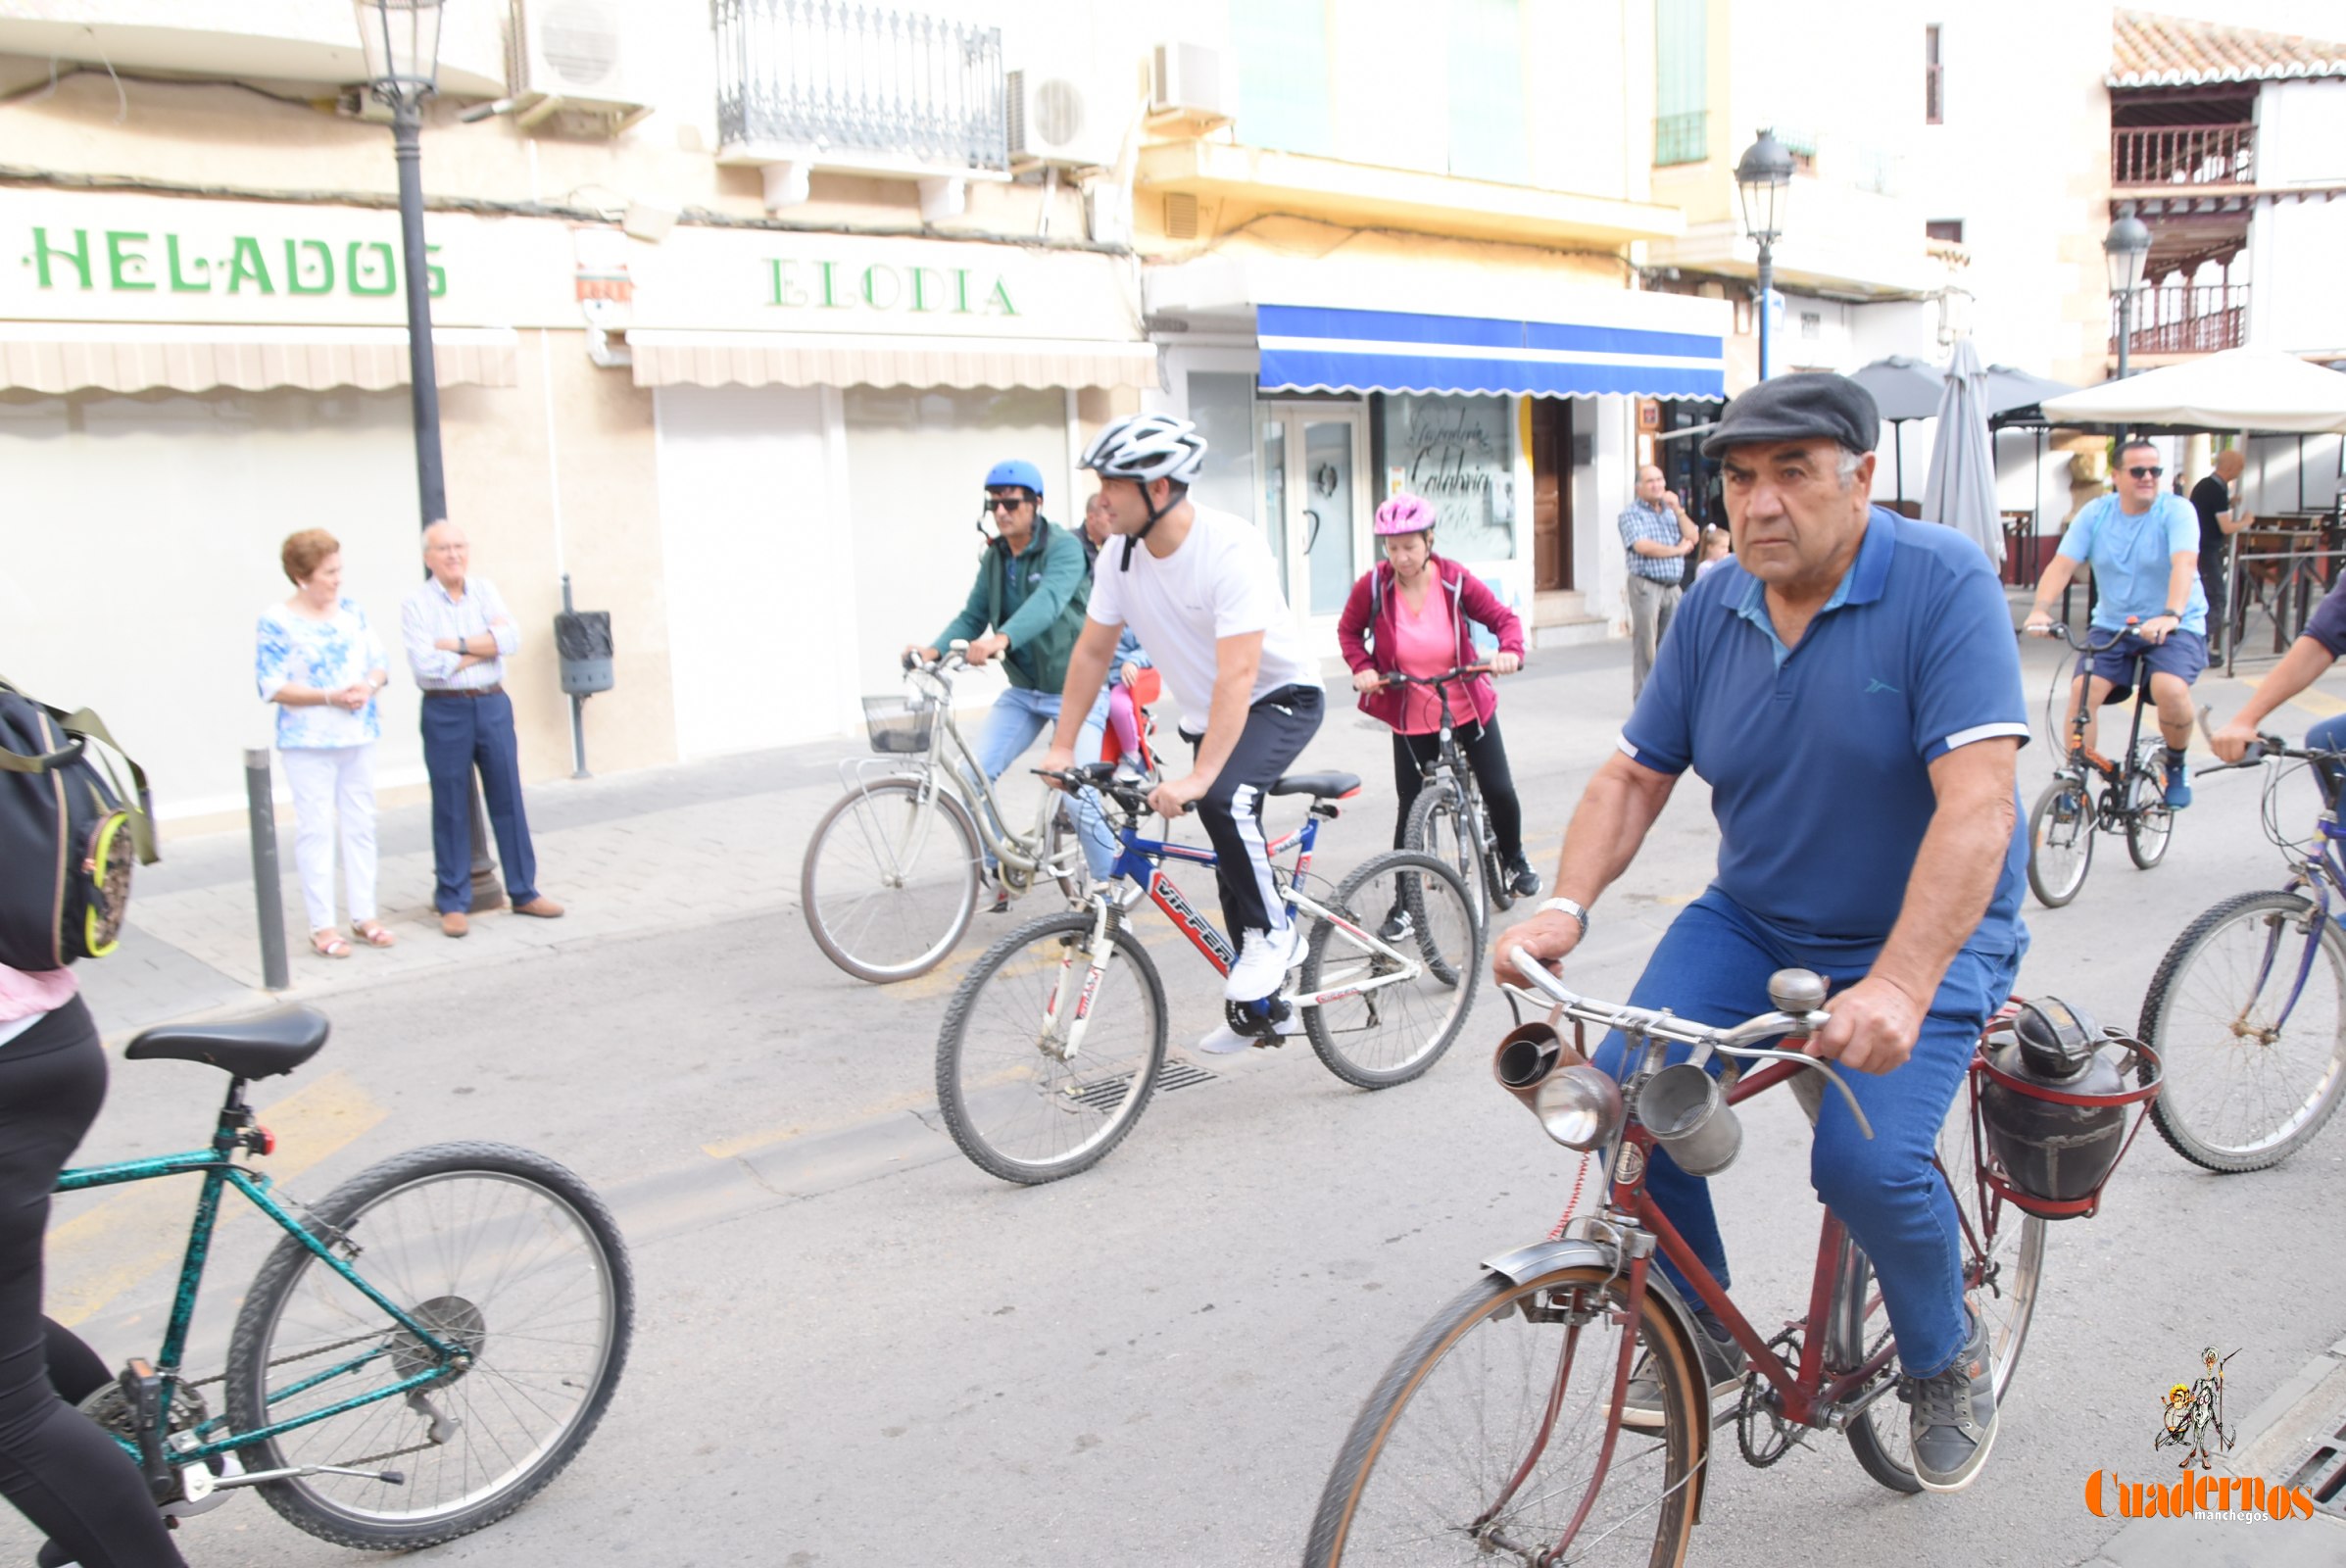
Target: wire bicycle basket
(900, 725)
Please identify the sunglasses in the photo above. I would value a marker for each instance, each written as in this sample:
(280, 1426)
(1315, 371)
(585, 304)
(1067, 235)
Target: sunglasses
(2147, 474)
(1004, 503)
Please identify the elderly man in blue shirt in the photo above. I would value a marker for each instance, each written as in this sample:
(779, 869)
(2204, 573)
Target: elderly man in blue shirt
(1849, 687)
(2144, 546)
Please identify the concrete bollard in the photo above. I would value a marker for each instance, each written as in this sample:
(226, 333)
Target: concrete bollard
(268, 896)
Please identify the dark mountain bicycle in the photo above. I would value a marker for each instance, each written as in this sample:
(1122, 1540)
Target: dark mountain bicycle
(2248, 1008)
(429, 1347)
(1448, 820)
(2134, 793)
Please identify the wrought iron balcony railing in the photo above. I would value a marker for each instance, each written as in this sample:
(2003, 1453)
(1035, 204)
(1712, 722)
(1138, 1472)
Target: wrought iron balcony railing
(856, 81)
(2182, 155)
(2186, 319)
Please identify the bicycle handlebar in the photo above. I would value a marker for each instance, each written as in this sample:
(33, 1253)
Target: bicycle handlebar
(951, 661)
(1660, 1024)
(2062, 632)
(1398, 678)
(1102, 776)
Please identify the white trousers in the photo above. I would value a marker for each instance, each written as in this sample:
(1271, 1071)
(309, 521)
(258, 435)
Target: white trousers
(330, 783)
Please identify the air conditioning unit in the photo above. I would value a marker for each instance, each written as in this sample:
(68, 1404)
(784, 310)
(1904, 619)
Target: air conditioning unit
(1192, 84)
(572, 58)
(1060, 116)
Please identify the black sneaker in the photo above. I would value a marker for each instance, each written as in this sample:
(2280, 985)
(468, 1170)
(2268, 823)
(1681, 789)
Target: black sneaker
(1396, 926)
(1722, 1364)
(1001, 895)
(1521, 877)
(1953, 1422)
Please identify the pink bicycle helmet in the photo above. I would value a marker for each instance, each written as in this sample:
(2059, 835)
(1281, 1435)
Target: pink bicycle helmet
(1403, 513)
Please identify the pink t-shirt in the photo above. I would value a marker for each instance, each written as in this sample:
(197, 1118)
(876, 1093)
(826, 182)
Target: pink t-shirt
(1423, 644)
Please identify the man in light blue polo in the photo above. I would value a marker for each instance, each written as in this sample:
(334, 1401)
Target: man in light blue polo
(2143, 545)
(1849, 687)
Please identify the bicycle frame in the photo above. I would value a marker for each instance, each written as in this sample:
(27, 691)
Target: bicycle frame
(2317, 876)
(950, 765)
(237, 1131)
(2115, 775)
(1139, 863)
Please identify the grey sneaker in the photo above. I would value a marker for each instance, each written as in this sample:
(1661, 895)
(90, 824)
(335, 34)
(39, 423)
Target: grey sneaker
(1953, 1421)
(1723, 1365)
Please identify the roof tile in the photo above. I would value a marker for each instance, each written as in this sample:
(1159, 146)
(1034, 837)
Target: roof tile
(2148, 50)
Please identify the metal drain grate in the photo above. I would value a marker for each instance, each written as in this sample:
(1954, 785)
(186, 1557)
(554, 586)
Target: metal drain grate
(2324, 1475)
(1109, 1093)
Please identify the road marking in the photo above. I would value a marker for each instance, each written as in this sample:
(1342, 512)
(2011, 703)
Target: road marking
(117, 1244)
(2319, 704)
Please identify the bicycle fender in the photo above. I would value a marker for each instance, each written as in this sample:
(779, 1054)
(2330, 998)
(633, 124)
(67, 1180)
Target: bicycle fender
(1527, 1263)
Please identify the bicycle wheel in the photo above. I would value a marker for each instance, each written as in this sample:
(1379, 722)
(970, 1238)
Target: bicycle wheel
(2149, 821)
(2254, 1060)
(1017, 1105)
(1446, 1462)
(1439, 826)
(2060, 841)
(1390, 1034)
(2003, 1262)
(889, 879)
(494, 1248)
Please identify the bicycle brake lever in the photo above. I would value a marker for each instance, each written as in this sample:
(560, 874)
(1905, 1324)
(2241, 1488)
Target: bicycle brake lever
(1765, 1053)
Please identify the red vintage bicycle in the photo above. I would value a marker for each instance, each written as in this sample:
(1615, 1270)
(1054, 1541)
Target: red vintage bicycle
(1498, 1435)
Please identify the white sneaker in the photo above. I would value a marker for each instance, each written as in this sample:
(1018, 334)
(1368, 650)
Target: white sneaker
(1226, 1040)
(1265, 959)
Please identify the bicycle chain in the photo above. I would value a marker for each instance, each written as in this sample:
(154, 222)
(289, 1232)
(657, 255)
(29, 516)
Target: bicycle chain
(298, 1355)
(1757, 1401)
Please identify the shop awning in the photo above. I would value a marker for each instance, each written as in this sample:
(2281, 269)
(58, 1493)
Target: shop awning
(56, 357)
(1309, 348)
(666, 357)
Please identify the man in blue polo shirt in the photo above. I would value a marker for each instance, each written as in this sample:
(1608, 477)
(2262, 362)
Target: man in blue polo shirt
(2143, 545)
(1849, 688)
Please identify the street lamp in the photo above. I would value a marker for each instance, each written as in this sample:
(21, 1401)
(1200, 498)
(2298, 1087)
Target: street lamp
(402, 43)
(1763, 177)
(2127, 249)
(402, 40)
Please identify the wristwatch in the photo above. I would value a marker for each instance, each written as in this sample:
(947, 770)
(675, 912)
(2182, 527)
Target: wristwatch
(1578, 910)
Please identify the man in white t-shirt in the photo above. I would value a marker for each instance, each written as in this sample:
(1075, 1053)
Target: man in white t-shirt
(1202, 590)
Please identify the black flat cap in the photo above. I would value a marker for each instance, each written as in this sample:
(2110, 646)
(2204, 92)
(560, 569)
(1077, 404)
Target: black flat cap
(1800, 407)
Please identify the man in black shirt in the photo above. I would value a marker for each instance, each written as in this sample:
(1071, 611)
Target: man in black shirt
(2212, 499)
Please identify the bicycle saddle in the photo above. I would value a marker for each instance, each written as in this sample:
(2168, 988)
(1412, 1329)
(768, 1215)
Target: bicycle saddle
(260, 1046)
(1319, 785)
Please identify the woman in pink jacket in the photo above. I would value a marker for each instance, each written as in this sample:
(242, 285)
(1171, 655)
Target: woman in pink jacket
(1409, 614)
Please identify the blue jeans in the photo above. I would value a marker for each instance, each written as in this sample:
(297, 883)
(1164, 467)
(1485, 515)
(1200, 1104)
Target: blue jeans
(2328, 736)
(461, 733)
(1712, 966)
(1018, 717)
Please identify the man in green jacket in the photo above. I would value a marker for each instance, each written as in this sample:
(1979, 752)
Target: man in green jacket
(1027, 608)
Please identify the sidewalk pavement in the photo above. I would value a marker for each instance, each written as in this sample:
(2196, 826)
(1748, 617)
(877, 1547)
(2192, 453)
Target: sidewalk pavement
(668, 849)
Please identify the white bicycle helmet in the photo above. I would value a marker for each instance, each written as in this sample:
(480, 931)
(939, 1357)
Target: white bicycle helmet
(1144, 448)
(1147, 447)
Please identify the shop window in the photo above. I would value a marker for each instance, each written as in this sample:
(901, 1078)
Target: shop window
(1948, 230)
(1222, 406)
(1681, 68)
(1459, 453)
(1282, 50)
(1489, 137)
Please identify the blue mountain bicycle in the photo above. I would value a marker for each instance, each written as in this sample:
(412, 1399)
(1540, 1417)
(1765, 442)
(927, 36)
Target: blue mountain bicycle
(1054, 1043)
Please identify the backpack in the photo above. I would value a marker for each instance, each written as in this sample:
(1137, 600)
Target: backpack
(67, 835)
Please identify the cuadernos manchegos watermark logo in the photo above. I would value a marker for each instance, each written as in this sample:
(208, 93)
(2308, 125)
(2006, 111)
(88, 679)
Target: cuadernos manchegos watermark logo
(2192, 1418)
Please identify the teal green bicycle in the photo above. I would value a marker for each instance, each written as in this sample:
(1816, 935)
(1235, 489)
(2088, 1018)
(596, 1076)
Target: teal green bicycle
(400, 1404)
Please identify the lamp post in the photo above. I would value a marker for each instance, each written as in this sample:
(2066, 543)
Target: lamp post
(2127, 250)
(1764, 178)
(402, 43)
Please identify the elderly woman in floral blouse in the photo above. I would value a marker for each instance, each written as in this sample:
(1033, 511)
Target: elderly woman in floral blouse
(320, 662)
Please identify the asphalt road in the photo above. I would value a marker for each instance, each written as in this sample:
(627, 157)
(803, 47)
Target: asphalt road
(852, 1346)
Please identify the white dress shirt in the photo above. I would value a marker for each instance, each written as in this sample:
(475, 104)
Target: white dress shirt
(430, 613)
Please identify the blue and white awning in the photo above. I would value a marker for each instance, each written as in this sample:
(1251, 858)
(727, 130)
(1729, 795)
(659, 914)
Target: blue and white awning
(1308, 348)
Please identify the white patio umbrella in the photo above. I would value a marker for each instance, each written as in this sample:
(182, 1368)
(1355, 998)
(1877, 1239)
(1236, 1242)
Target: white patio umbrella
(2238, 389)
(1961, 490)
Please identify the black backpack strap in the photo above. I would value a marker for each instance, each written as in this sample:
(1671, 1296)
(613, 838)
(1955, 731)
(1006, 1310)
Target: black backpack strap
(81, 726)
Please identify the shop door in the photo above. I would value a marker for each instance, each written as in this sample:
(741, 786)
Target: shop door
(1551, 494)
(1315, 508)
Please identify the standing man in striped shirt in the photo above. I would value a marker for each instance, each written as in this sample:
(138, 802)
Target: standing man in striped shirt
(458, 635)
(1658, 535)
